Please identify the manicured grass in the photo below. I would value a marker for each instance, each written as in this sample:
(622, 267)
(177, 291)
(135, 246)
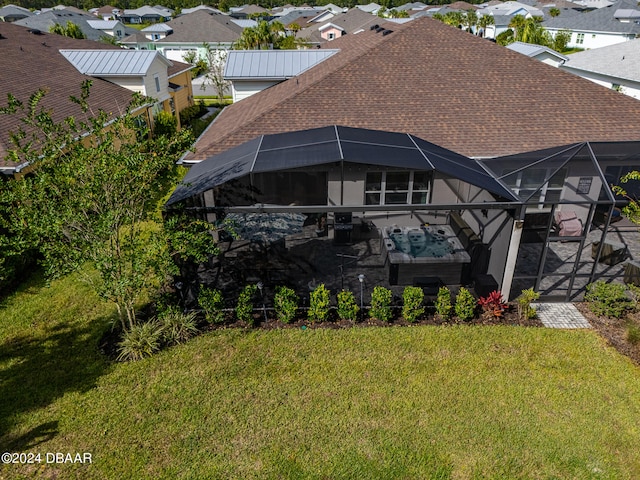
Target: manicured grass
(400, 402)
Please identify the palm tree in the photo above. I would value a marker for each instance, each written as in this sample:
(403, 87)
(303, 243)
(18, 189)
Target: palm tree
(483, 22)
(471, 19)
(554, 12)
(517, 24)
(455, 19)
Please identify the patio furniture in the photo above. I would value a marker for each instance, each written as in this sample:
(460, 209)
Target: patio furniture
(612, 252)
(568, 223)
(632, 272)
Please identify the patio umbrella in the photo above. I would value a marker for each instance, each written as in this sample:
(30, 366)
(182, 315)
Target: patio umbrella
(265, 227)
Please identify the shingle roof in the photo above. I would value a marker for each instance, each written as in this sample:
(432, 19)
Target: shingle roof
(202, 26)
(439, 83)
(46, 20)
(32, 62)
(621, 60)
(600, 20)
(351, 21)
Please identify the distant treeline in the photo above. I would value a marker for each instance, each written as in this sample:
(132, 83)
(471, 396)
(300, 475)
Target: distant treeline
(223, 5)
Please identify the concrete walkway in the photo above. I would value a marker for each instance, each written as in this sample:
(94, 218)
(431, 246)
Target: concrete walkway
(560, 315)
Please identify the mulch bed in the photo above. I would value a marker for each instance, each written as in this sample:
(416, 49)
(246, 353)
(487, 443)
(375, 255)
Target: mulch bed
(614, 331)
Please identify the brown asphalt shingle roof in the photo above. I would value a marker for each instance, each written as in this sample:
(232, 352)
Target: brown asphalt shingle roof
(439, 83)
(32, 62)
(202, 26)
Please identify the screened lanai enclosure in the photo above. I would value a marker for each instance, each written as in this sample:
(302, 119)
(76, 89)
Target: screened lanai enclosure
(333, 203)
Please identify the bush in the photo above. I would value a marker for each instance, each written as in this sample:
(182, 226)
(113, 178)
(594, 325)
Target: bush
(493, 305)
(319, 304)
(192, 112)
(608, 299)
(381, 304)
(633, 333)
(142, 340)
(465, 306)
(285, 303)
(525, 310)
(211, 301)
(412, 299)
(443, 303)
(244, 307)
(165, 124)
(347, 307)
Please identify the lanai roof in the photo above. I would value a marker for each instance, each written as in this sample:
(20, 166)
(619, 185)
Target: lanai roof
(331, 144)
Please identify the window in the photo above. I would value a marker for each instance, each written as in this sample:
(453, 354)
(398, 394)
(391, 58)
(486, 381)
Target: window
(580, 39)
(331, 36)
(529, 182)
(397, 188)
(156, 78)
(119, 33)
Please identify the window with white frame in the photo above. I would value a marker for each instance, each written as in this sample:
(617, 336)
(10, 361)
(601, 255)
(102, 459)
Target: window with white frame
(580, 38)
(528, 184)
(397, 188)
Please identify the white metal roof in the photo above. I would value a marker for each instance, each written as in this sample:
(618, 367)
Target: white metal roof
(272, 64)
(158, 27)
(532, 50)
(112, 62)
(103, 24)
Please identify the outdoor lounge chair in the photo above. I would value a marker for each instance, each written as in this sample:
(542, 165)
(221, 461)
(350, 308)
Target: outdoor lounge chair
(568, 223)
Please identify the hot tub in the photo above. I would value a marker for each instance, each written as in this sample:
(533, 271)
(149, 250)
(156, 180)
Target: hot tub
(427, 251)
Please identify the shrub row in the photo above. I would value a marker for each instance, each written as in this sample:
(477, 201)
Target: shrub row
(285, 302)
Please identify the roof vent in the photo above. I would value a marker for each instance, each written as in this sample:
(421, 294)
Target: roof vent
(35, 31)
(387, 32)
(379, 29)
(373, 27)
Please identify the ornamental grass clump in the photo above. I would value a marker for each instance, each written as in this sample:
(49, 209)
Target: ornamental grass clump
(285, 303)
(412, 303)
(140, 341)
(177, 327)
(319, 304)
(347, 307)
(465, 306)
(381, 304)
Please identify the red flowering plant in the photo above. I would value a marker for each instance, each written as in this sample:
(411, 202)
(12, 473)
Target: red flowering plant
(493, 304)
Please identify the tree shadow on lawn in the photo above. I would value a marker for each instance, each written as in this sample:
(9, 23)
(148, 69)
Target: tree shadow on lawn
(37, 370)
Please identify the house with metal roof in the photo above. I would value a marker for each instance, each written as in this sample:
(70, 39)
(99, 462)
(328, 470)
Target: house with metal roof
(597, 28)
(454, 143)
(157, 31)
(146, 14)
(615, 67)
(543, 54)
(251, 71)
(112, 28)
(46, 20)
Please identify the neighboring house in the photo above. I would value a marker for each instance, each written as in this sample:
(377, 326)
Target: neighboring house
(353, 21)
(143, 71)
(197, 30)
(371, 132)
(146, 14)
(372, 8)
(615, 67)
(597, 28)
(46, 20)
(113, 28)
(540, 53)
(503, 14)
(186, 11)
(11, 13)
(248, 11)
(137, 41)
(33, 61)
(157, 31)
(107, 12)
(251, 71)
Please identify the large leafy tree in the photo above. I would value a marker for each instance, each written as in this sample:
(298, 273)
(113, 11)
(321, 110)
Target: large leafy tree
(92, 196)
(632, 210)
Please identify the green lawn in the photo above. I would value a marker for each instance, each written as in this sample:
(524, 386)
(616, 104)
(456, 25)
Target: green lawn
(364, 403)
